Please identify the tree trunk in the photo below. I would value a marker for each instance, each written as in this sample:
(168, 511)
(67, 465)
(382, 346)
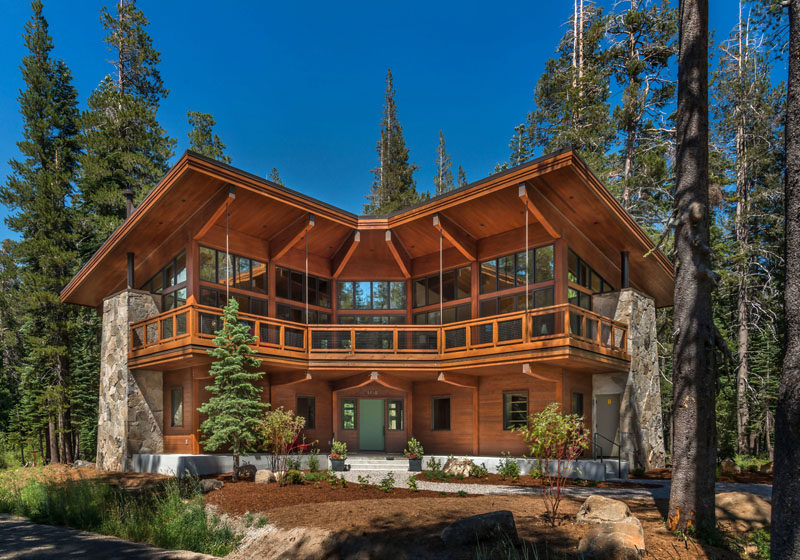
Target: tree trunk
(742, 235)
(785, 543)
(235, 466)
(691, 503)
(52, 440)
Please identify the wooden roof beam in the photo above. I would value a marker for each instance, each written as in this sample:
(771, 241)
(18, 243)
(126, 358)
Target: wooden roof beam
(288, 378)
(526, 200)
(456, 235)
(342, 256)
(288, 237)
(458, 379)
(216, 211)
(399, 253)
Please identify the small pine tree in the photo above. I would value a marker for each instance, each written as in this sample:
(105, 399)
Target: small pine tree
(462, 177)
(234, 410)
(443, 181)
(275, 177)
(202, 138)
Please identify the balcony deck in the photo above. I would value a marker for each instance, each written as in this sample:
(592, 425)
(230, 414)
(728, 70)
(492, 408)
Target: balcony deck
(561, 334)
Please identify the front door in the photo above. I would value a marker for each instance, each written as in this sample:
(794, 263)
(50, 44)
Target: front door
(607, 415)
(370, 424)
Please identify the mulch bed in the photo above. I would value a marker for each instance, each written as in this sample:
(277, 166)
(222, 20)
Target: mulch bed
(242, 496)
(743, 477)
(529, 481)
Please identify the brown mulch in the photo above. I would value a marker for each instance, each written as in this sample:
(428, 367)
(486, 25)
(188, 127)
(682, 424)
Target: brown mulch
(742, 477)
(529, 481)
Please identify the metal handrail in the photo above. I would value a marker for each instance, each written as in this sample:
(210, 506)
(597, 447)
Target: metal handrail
(595, 445)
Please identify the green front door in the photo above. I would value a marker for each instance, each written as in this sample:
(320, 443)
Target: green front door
(370, 424)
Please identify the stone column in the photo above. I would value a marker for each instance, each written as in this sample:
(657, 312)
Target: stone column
(642, 434)
(130, 416)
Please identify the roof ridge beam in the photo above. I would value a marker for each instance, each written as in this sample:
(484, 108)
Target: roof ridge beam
(531, 207)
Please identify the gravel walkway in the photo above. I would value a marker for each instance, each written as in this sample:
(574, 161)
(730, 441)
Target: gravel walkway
(662, 492)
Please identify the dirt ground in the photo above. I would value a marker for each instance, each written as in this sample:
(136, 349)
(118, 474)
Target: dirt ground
(529, 481)
(742, 477)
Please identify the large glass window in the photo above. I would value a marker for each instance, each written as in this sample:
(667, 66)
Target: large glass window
(440, 413)
(240, 272)
(395, 413)
(176, 407)
(452, 314)
(297, 314)
(170, 283)
(583, 275)
(290, 284)
(247, 304)
(543, 297)
(577, 404)
(511, 271)
(305, 408)
(515, 410)
(348, 414)
(370, 319)
(371, 295)
(455, 284)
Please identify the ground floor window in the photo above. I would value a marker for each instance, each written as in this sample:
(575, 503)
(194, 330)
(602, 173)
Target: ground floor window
(577, 404)
(176, 407)
(349, 414)
(305, 408)
(395, 415)
(515, 410)
(441, 413)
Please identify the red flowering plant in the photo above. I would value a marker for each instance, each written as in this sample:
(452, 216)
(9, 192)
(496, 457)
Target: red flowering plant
(414, 450)
(553, 437)
(338, 450)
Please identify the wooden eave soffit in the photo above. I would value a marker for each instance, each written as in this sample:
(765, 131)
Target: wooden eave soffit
(343, 254)
(399, 253)
(458, 380)
(526, 200)
(456, 235)
(288, 378)
(361, 379)
(288, 237)
(216, 211)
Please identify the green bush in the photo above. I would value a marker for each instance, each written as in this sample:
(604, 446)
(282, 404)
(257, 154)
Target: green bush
(313, 460)
(508, 468)
(387, 482)
(479, 471)
(172, 516)
(338, 450)
(414, 449)
(294, 476)
(412, 483)
(294, 463)
(435, 471)
(363, 481)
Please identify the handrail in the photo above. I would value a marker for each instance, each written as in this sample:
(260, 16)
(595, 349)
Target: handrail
(518, 327)
(595, 435)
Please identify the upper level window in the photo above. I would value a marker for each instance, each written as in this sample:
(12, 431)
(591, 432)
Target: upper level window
(509, 303)
(371, 319)
(582, 274)
(452, 314)
(236, 271)
(290, 284)
(247, 304)
(512, 270)
(170, 283)
(454, 284)
(297, 314)
(371, 295)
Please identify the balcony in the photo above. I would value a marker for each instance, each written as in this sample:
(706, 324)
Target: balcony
(559, 332)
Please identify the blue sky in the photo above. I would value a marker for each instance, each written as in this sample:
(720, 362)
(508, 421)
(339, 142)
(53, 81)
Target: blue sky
(299, 86)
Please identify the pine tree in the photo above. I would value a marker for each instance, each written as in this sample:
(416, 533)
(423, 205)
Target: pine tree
(462, 177)
(275, 177)
(39, 192)
(393, 186)
(202, 138)
(443, 180)
(571, 96)
(234, 409)
(125, 147)
(643, 40)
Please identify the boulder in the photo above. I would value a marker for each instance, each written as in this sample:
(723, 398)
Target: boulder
(623, 540)
(247, 472)
(458, 467)
(81, 463)
(209, 484)
(265, 476)
(599, 509)
(766, 469)
(484, 527)
(729, 466)
(742, 510)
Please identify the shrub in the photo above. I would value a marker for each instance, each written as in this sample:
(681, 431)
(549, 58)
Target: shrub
(342, 481)
(294, 463)
(363, 481)
(279, 431)
(435, 471)
(294, 476)
(552, 436)
(414, 449)
(461, 494)
(313, 459)
(338, 450)
(638, 472)
(412, 483)
(387, 482)
(479, 471)
(508, 468)
(316, 476)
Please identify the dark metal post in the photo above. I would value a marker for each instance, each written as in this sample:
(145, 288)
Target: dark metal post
(624, 282)
(130, 271)
(128, 194)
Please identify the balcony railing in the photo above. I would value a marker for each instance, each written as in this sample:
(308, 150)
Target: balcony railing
(197, 324)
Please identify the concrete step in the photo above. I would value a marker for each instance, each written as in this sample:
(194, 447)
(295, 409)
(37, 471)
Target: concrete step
(374, 467)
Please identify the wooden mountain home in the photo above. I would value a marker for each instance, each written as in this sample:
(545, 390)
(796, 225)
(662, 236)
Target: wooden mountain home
(450, 321)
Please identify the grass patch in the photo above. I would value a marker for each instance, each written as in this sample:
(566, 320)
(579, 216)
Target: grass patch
(171, 516)
(508, 550)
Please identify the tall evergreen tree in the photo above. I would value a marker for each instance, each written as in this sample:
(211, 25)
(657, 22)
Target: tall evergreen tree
(125, 147)
(643, 40)
(393, 186)
(275, 177)
(202, 138)
(39, 192)
(443, 180)
(234, 409)
(461, 177)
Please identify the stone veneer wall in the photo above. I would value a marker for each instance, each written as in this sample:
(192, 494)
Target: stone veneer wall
(640, 404)
(130, 410)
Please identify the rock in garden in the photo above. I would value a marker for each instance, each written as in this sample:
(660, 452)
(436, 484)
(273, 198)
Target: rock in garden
(743, 510)
(209, 484)
(765, 469)
(484, 527)
(623, 540)
(247, 472)
(599, 509)
(265, 476)
(81, 463)
(456, 467)
(729, 466)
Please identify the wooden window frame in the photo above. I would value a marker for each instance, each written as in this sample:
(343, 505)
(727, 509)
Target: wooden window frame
(402, 421)
(582, 400)
(372, 309)
(507, 426)
(355, 414)
(449, 398)
(297, 398)
(172, 411)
